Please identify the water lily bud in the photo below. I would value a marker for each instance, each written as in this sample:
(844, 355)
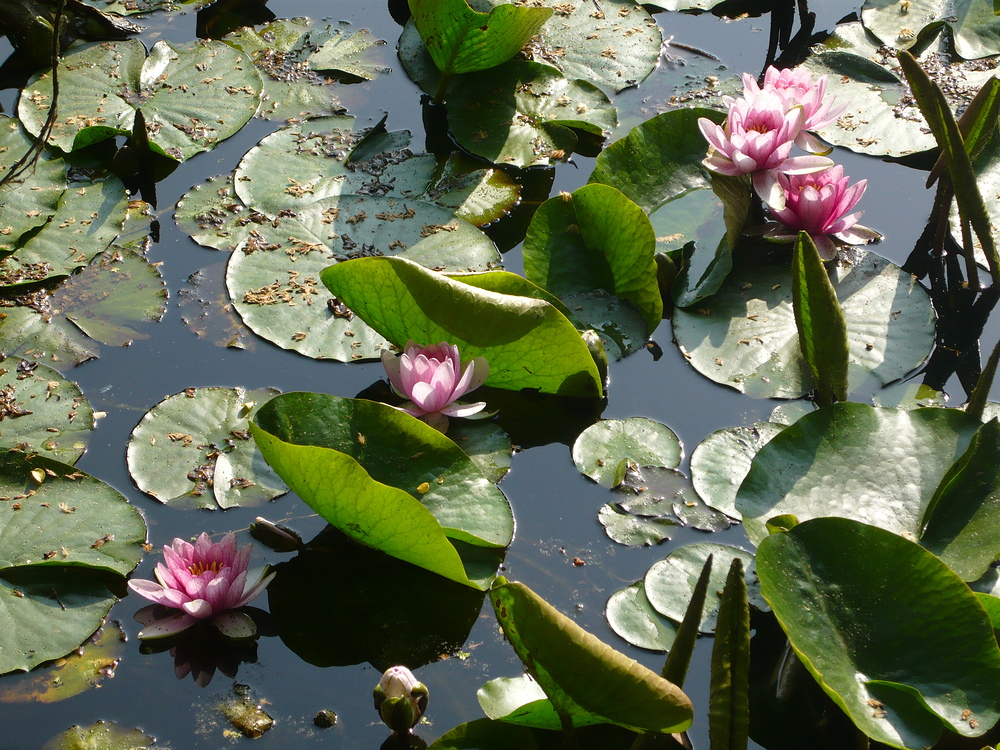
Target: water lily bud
(400, 699)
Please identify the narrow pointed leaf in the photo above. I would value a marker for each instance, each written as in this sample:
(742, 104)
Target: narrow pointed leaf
(981, 393)
(728, 706)
(679, 659)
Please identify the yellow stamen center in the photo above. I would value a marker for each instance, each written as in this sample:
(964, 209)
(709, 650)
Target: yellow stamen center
(200, 567)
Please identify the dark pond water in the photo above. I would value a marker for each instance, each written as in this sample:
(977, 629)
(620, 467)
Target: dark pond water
(555, 507)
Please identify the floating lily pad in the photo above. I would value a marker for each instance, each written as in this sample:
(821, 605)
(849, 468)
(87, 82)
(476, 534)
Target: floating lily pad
(194, 450)
(888, 464)
(745, 336)
(388, 481)
(134, 7)
(113, 296)
(87, 220)
(605, 449)
(273, 278)
(192, 96)
(669, 583)
(526, 114)
(595, 238)
(973, 23)
(205, 308)
(486, 444)
(42, 412)
(478, 195)
(56, 342)
(631, 616)
(909, 395)
(620, 326)
(528, 342)
(580, 674)
(623, 526)
(721, 462)
(520, 700)
(103, 735)
(28, 202)
(838, 587)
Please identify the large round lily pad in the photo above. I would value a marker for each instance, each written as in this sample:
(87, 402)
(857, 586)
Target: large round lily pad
(192, 96)
(745, 336)
(56, 342)
(604, 450)
(30, 201)
(194, 450)
(973, 24)
(631, 616)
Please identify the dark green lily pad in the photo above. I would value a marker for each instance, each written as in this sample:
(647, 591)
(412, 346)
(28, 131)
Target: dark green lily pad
(87, 220)
(478, 195)
(486, 444)
(194, 450)
(528, 343)
(286, 53)
(669, 583)
(604, 450)
(888, 464)
(42, 412)
(30, 201)
(113, 296)
(521, 701)
(192, 96)
(273, 278)
(28, 333)
(579, 673)
(411, 490)
(838, 586)
(745, 336)
(526, 114)
(103, 735)
(631, 616)
(595, 238)
(57, 525)
(973, 24)
(721, 462)
(620, 326)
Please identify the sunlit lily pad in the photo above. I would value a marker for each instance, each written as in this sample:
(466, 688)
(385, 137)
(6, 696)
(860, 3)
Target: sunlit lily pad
(721, 462)
(604, 450)
(887, 464)
(113, 296)
(194, 450)
(214, 215)
(57, 524)
(526, 114)
(273, 278)
(528, 342)
(54, 341)
(42, 412)
(623, 526)
(478, 195)
(520, 700)
(30, 201)
(631, 616)
(192, 96)
(972, 22)
(745, 336)
(103, 735)
(838, 587)
(669, 583)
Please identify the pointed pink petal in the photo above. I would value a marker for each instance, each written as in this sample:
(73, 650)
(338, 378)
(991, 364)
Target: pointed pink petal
(809, 142)
(806, 164)
(391, 364)
(463, 410)
(198, 608)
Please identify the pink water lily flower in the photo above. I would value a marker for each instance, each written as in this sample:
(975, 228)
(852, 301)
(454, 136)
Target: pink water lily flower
(433, 378)
(796, 88)
(819, 203)
(201, 581)
(756, 139)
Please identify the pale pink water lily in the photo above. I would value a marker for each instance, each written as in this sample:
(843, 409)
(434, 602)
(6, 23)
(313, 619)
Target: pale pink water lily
(756, 139)
(201, 581)
(819, 204)
(796, 88)
(433, 378)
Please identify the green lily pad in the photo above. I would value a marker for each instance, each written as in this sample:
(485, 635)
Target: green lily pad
(88, 219)
(411, 489)
(595, 238)
(42, 412)
(837, 587)
(721, 462)
(579, 673)
(888, 464)
(909, 395)
(526, 114)
(745, 336)
(520, 700)
(102, 735)
(605, 449)
(486, 734)
(30, 201)
(620, 326)
(631, 616)
(478, 195)
(273, 278)
(59, 527)
(973, 25)
(669, 583)
(528, 343)
(306, 162)
(194, 450)
(215, 217)
(622, 525)
(28, 333)
(192, 96)
(486, 444)
(113, 296)
(289, 52)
